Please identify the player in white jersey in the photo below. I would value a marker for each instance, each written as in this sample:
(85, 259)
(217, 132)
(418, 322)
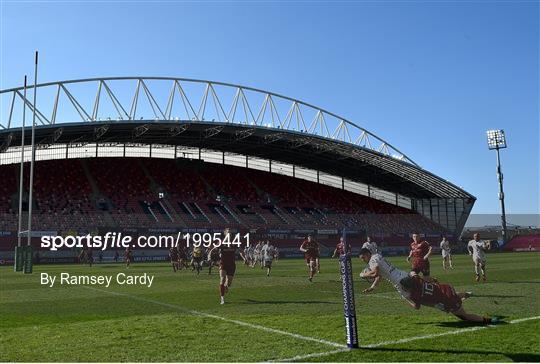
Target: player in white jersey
(379, 267)
(268, 253)
(371, 246)
(256, 254)
(477, 248)
(252, 256)
(446, 254)
(261, 257)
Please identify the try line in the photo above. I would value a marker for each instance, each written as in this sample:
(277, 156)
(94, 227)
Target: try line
(343, 348)
(405, 340)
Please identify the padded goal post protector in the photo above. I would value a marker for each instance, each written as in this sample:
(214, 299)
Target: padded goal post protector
(19, 259)
(28, 259)
(349, 308)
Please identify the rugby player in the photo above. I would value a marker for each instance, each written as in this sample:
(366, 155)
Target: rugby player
(477, 249)
(182, 256)
(196, 259)
(227, 267)
(173, 256)
(441, 296)
(446, 254)
(420, 252)
(268, 257)
(371, 245)
(418, 291)
(379, 267)
(256, 254)
(128, 256)
(245, 255)
(310, 248)
(341, 248)
(263, 248)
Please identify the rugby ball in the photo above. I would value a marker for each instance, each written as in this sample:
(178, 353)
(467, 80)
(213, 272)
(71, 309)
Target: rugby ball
(367, 279)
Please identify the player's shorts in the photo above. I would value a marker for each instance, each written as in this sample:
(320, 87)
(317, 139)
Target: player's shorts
(310, 258)
(451, 301)
(229, 269)
(268, 264)
(445, 253)
(479, 260)
(197, 260)
(421, 266)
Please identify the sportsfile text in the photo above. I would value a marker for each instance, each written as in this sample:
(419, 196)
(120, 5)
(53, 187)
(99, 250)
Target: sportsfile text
(114, 240)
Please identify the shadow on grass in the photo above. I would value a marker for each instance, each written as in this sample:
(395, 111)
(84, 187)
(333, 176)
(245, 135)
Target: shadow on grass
(464, 324)
(519, 357)
(460, 324)
(255, 302)
(496, 296)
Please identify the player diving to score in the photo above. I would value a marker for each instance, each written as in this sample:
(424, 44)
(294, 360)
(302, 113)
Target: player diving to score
(419, 291)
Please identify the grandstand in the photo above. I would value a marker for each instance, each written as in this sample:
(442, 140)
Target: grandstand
(523, 243)
(271, 165)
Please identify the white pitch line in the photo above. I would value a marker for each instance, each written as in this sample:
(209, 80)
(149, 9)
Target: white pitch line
(237, 322)
(405, 340)
(517, 321)
(455, 332)
(414, 338)
(307, 356)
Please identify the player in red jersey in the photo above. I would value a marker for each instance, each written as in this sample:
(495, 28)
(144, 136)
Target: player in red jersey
(227, 265)
(431, 293)
(341, 248)
(420, 252)
(310, 248)
(173, 255)
(128, 256)
(182, 256)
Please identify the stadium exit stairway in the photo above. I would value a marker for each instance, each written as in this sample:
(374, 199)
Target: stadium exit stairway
(96, 191)
(164, 203)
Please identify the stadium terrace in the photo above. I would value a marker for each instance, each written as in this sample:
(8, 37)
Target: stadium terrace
(213, 155)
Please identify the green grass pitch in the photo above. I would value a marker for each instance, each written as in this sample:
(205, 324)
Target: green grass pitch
(179, 318)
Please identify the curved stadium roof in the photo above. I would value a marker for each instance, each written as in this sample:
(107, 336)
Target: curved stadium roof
(217, 116)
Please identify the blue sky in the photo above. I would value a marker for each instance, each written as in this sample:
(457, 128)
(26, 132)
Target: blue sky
(429, 77)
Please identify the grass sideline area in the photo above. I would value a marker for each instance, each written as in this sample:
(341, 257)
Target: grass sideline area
(282, 317)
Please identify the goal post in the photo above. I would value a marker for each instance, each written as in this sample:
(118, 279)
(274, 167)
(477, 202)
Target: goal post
(349, 307)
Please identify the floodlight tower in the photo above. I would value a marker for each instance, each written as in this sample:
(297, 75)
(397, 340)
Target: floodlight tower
(497, 140)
